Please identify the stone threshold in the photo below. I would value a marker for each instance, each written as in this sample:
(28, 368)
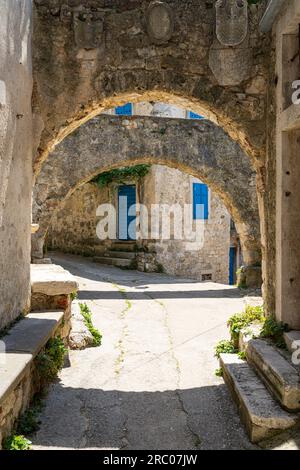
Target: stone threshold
(22, 344)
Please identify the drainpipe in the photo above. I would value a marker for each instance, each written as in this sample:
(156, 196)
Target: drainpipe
(272, 10)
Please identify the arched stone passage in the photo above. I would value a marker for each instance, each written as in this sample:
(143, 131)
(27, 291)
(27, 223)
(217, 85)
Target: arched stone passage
(198, 147)
(75, 79)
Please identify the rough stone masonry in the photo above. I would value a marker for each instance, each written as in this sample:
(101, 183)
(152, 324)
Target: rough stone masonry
(99, 54)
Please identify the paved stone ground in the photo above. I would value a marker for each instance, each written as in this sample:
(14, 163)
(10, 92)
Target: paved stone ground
(151, 385)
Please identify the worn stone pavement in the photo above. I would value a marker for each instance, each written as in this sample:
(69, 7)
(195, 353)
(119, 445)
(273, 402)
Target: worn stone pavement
(152, 384)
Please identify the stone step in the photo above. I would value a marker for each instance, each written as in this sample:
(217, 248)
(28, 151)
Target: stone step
(123, 246)
(120, 254)
(278, 373)
(119, 262)
(290, 338)
(259, 411)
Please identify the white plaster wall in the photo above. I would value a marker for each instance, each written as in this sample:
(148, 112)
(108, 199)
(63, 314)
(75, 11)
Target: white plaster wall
(15, 157)
(171, 186)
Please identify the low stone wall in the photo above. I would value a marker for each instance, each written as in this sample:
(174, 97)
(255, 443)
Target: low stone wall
(51, 287)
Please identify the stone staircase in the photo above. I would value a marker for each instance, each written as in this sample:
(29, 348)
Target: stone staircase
(266, 387)
(122, 255)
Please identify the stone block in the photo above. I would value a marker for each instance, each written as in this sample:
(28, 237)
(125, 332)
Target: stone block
(52, 280)
(279, 375)
(261, 414)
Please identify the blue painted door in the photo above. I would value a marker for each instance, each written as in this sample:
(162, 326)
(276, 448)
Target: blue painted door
(127, 212)
(231, 265)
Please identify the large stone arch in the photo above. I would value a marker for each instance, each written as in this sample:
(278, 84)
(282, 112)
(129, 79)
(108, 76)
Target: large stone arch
(232, 86)
(198, 147)
(74, 83)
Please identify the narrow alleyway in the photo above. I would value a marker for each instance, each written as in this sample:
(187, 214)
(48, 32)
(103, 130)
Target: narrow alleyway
(152, 383)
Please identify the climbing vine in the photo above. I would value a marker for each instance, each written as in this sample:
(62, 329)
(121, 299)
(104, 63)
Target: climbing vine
(120, 175)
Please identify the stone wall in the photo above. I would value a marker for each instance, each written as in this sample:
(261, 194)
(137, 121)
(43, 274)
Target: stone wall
(51, 288)
(193, 67)
(15, 157)
(73, 227)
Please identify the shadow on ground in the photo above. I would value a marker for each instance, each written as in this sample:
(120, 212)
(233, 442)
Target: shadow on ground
(79, 418)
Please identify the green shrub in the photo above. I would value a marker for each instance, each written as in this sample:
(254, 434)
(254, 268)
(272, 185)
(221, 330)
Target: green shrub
(74, 296)
(243, 319)
(272, 329)
(16, 442)
(225, 346)
(51, 360)
(28, 422)
(87, 316)
(120, 175)
(242, 355)
(219, 372)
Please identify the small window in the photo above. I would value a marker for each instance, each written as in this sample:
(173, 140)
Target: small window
(200, 201)
(206, 277)
(125, 110)
(192, 115)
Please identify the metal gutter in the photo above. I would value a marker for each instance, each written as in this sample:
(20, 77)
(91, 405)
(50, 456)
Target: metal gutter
(270, 15)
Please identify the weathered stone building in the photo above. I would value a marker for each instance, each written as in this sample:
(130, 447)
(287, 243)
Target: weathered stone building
(197, 147)
(73, 227)
(93, 55)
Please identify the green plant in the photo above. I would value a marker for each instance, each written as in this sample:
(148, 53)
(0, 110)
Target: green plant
(274, 330)
(120, 175)
(16, 442)
(87, 316)
(243, 319)
(219, 372)
(28, 422)
(50, 361)
(73, 296)
(242, 355)
(225, 346)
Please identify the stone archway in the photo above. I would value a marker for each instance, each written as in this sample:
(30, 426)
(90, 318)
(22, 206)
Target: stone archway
(198, 147)
(80, 70)
(94, 55)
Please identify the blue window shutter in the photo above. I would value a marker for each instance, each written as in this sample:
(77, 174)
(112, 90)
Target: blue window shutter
(200, 201)
(192, 115)
(125, 110)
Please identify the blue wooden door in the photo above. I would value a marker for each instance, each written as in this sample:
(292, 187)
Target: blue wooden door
(127, 213)
(231, 265)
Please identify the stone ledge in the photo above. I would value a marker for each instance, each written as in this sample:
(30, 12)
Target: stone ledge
(22, 344)
(50, 279)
